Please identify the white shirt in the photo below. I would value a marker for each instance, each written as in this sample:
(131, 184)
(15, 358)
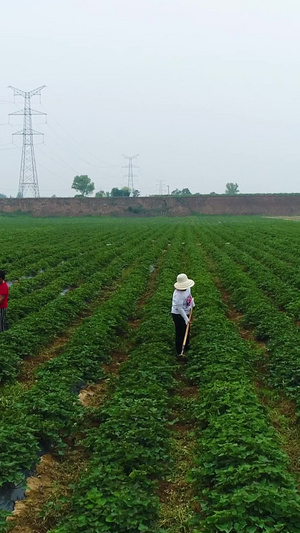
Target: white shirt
(182, 302)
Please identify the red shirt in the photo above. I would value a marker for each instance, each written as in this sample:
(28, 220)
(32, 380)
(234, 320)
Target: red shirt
(4, 291)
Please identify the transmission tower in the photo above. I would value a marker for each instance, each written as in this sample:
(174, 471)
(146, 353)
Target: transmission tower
(130, 168)
(28, 180)
(161, 187)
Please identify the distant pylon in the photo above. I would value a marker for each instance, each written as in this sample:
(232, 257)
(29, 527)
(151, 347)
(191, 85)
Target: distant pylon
(28, 180)
(130, 168)
(161, 187)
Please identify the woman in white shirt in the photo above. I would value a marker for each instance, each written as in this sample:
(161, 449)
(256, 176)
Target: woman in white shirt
(182, 302)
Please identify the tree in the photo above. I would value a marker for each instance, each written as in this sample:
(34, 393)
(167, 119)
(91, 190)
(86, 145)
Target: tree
(2, 195)
(102, 194)
(83, 185)
(135, 193)
(125, 191)
(232, 188)
(183, 192)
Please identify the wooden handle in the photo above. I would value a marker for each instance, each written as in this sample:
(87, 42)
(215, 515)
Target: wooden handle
(186, 331)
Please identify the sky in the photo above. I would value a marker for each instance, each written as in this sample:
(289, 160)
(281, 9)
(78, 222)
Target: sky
(206, 92)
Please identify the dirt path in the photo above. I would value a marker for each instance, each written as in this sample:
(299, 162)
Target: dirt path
(176, 493)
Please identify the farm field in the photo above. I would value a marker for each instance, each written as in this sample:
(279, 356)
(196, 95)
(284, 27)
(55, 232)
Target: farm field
(101, 423)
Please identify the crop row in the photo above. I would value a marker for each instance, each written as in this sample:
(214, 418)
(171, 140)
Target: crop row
(70, 253)
(37, 249)
(129, 448)
(280, 239)
(283, 263)
(241, 475)
(270, 325)
(50, 410)
(69, 274)
(41, 246)
(33, 332)
(282, 292)
(37, 329)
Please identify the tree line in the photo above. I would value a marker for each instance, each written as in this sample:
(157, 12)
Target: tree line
(84, 186)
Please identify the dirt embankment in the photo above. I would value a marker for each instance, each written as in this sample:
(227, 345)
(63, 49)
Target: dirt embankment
(241, 204)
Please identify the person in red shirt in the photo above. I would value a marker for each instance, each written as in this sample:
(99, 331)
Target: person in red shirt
(3, 300)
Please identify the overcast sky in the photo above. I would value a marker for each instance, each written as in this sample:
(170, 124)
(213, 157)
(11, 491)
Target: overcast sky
(206, 92)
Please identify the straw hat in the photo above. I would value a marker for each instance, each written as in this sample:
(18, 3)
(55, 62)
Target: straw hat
(183, 282)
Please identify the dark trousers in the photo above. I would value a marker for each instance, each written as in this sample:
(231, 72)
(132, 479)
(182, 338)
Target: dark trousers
(180, 329)
(3, 324)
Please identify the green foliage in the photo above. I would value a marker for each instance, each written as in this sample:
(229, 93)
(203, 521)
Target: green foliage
(3, 522)
(129, 445)
(255, 291)
(137, 210)
(232, 188)
(50, 410)
(102, 194)
(83, 185)
(183, 192)
(120, 192)
(19, 452)
(241, 475)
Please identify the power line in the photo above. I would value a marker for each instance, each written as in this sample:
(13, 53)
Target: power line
(8, 149)
(74, 152)
(76, 142)
(28, 173)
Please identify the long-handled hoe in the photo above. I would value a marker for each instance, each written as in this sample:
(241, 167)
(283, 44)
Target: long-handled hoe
(186, 332)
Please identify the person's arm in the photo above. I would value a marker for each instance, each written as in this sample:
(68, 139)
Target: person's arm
(184, 315)
(2, 298)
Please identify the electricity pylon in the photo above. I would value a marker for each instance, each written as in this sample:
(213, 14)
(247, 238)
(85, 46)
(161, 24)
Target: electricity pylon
(130, 168)
(161, 187)
(28, 180)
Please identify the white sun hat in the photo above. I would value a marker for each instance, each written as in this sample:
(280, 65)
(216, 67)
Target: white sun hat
(183, 282)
